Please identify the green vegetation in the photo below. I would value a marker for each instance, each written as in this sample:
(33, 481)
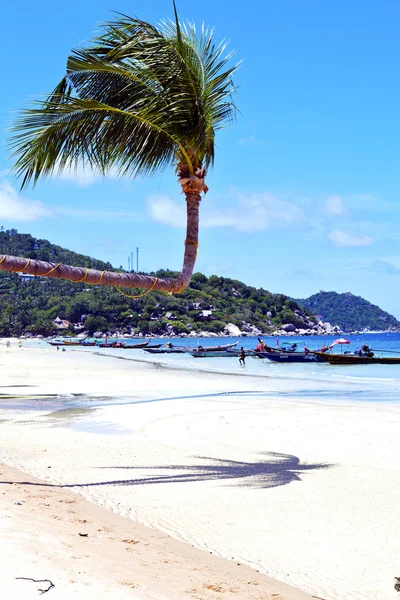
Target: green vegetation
(208, 304)
(351, 313)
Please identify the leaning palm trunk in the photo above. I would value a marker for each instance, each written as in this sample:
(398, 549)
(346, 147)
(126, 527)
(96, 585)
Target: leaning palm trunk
(139, 99)
(39, 268)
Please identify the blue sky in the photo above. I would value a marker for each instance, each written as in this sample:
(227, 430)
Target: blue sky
(304, 192)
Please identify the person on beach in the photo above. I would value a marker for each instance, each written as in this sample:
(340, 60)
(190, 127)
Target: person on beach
(8, 344)
(242, 356)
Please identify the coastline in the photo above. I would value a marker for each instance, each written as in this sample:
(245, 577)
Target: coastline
(305, 491)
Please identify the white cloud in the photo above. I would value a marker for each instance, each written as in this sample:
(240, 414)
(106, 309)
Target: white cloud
(253, 212)
(85, 176)
(15, 208)
(343, 239)
(334, 205)
(164, 210)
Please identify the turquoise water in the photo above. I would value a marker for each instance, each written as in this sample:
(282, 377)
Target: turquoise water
(317, 381)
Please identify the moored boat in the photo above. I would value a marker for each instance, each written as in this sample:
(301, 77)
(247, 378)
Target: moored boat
(207, 349)
(135, 346)
(139, 346)
(227, 353)
(66, 341)
(353, 359)
(73, 342)
(123, 344)
(291, 357)
(174, 350)
(57, 342)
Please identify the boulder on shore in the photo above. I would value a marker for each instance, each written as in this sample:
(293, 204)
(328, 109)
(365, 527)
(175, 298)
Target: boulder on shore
(232, 330)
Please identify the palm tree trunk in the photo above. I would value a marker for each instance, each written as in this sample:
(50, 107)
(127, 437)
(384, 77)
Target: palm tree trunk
(192, 236)
(174, 285)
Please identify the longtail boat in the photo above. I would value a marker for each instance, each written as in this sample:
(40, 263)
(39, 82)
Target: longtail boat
(123, 344)
(139, 346)
(352, 359)
(174, 350)
(290, 357)
(214, 354)
(287, 347)
(229, 352)
(222, 347)
(57, 342)
(72, 342)
(65, 342)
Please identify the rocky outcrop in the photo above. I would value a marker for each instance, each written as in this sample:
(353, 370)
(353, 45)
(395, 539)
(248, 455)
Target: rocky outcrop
(319, 328)
(232, 330)
(248, 329)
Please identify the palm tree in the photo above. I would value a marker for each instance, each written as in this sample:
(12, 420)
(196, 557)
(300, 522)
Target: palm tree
(140, 98)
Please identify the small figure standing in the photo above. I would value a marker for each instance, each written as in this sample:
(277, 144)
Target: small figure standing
(8, 344)
(242, 356)
(261, 346)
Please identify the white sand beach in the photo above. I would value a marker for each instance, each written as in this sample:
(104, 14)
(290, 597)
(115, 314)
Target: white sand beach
(197, 467)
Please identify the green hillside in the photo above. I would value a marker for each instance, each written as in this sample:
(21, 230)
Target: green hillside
(349, 312)
(208, 304)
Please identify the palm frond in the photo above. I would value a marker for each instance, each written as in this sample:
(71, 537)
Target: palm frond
(139, 98)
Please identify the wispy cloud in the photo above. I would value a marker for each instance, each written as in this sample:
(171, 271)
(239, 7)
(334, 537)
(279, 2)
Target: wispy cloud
(221, 269)
(372, 203)
(247, 212)
(14, 207)
(84, 177)
(164, 210)
(98, 213)
(335, 206)
(305, 273)
(343, 239)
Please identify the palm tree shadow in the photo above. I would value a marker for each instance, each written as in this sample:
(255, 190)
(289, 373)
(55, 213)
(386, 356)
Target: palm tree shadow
(274, 470)
(279, 469)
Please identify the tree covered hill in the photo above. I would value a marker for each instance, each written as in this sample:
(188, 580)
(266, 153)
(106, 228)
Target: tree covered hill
(349, 312)
(208, 304)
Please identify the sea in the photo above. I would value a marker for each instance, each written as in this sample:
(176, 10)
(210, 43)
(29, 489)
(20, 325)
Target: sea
(317, 381)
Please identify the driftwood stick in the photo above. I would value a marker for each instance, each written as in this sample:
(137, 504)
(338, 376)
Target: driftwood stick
(51, 584)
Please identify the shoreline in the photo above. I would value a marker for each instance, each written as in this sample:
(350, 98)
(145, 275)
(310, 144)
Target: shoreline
(303, 490)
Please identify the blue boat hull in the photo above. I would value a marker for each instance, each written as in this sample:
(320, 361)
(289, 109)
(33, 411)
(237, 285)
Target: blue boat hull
(290, 357)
